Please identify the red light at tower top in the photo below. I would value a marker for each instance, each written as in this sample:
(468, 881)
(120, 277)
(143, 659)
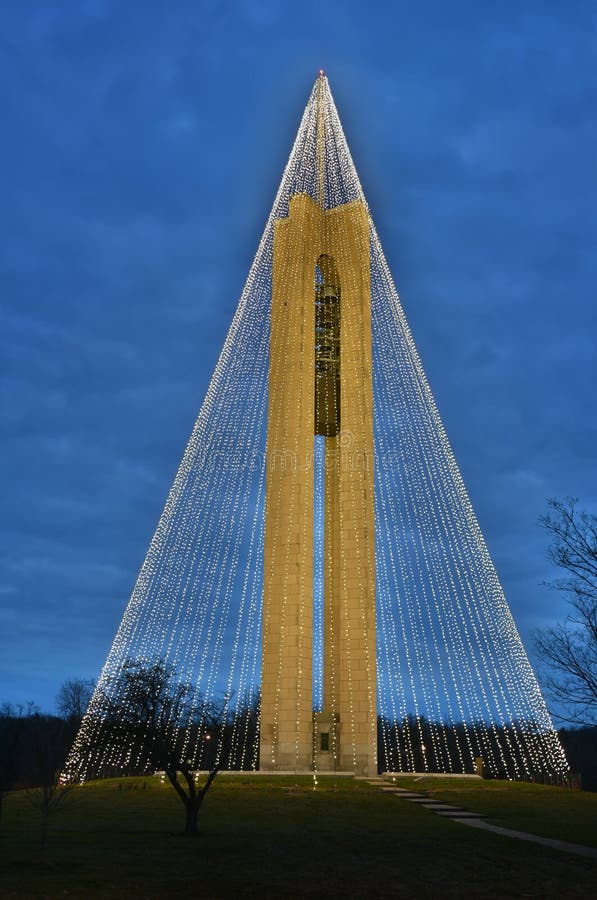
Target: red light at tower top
(321, 74)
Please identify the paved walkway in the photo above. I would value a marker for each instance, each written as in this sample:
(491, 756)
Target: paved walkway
(476, 820)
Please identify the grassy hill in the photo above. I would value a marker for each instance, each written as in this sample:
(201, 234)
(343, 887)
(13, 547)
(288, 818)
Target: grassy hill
(548, 811)
(280, 838)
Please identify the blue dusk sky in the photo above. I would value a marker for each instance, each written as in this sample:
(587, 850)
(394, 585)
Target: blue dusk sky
(142, 145)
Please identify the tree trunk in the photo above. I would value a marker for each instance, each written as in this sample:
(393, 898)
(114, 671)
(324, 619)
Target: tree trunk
(193, 799)
(192, 810)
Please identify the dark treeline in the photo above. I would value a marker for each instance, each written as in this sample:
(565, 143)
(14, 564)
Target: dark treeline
(418, 744)
(34, 746)
(580, 746)
(215, 735)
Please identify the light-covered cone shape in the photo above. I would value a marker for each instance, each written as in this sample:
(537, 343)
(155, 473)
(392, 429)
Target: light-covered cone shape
(366, 578)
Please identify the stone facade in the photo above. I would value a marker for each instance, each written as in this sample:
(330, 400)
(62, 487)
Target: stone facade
(337, 240)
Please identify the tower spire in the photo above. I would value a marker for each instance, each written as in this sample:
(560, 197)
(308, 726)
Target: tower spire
(321, 91)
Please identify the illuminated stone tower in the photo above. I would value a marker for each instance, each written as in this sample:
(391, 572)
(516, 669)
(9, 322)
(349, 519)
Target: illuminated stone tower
(320, 383)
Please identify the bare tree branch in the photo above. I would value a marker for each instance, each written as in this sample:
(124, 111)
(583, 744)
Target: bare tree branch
(73, 698)
(151, 711)
(569, 650)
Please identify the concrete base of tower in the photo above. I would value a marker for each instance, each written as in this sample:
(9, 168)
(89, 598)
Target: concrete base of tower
(285, 759)
(358, 750)
(326, 741)
(326, 765)
(360, 761)
(326, 751)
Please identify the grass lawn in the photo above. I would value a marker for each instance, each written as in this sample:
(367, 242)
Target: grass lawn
(278, 838)
(549, 811)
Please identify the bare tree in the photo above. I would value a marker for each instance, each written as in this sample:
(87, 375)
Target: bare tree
(150, 710)
(44, 748)
(73, 698)
(48, 798)
(570, 649)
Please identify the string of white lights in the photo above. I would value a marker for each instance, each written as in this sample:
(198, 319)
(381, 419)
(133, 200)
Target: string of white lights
(452, 678)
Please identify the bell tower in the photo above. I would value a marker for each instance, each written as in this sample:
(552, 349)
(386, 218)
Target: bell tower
(320, 383)
(444, 663)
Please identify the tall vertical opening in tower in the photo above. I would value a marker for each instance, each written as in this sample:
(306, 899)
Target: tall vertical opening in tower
(326, 721)
(327, 348)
